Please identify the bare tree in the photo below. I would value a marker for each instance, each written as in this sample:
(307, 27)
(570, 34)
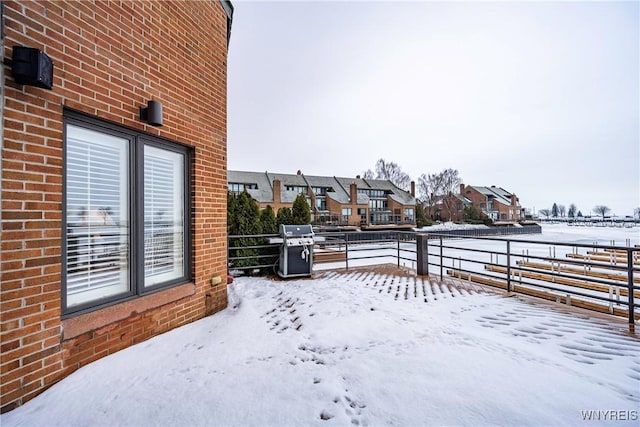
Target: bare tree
(450, 184)
(368, 174)
(428, 187)
(636, 213)
(392, 172)
(601, 210)
(562, 210)
(545, 212)
(572, 210)
(438, 186)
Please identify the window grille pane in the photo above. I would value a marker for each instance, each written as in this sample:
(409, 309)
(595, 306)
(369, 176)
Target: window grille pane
(163, 215)
(97, 213)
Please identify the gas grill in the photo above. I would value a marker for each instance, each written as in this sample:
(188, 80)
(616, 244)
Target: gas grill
(296, 251)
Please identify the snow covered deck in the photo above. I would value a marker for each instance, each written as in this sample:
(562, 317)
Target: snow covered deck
(364, 347)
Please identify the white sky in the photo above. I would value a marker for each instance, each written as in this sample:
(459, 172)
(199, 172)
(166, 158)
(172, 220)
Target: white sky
(541, 99)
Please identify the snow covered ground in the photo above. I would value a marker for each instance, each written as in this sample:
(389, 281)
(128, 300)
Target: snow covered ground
(361, 348)
(616, 236)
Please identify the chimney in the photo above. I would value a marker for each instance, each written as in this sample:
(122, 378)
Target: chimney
(357, 176)
(276, 192)
(353, 193)
(413, 188)
(514, 200)
(299, 172)
(462, 189)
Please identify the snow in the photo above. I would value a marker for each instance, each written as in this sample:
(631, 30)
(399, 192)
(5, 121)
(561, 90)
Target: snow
(450, 226)
(619, 236)
(364, 347)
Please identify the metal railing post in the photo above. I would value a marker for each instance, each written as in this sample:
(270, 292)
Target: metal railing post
(426, 254)
(346, 250)
(398, 239)
(509, 289)
(422, 254)
(631, 298)
(441, 259)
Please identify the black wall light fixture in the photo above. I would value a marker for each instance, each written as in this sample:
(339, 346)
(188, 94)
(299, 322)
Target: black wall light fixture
(32, 67)
(152, 113)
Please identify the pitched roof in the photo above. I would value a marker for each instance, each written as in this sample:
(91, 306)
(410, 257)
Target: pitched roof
(497, 193)
(339, 185)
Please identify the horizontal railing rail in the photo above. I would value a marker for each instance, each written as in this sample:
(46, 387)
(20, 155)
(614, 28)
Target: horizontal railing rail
(602, 277)
(252, 253)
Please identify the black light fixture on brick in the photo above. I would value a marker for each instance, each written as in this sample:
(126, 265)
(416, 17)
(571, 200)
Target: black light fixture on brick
(152, 113)
(32, 67)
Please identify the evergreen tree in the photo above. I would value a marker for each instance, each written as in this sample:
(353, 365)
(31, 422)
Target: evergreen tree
(301, 213)
(284, 216)
(268, 221)
(554, 210)
(243, 219)
(248, 215)
(269, 226)
(232, 208)
(580, 214)
(421, 216)
(473, 215)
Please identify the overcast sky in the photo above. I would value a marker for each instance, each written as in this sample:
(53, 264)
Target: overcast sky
(541, 99)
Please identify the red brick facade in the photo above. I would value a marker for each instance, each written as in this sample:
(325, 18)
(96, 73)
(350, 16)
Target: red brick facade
(109, 59)
(505, 210)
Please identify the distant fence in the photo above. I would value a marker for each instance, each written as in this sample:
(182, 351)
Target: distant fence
(489, 231)
(594, 221)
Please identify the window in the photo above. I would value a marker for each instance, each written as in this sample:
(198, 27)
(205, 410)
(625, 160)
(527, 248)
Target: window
(408, 214)
(372, 193)
(378, 204)
(163, 215)
(321, 203)
(296, 188)
(346, 213)
(321, 191)
(237, 188)
(363, 215)
(126, 214)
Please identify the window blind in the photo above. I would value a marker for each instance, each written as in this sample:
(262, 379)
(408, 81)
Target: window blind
(163, 215)
(97, 213)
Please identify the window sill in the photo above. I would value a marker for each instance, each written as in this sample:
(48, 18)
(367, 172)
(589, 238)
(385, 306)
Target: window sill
(78, 325)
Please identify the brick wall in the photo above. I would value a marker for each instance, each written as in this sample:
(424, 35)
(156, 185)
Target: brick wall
(109, 59)
(476, 197)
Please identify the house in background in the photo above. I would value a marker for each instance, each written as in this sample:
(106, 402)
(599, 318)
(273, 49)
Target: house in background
(448, 208)
(496, 202)
(334, 201)
(113, 179)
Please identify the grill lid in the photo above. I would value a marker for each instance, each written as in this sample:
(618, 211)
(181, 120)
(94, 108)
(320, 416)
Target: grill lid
(296, 230)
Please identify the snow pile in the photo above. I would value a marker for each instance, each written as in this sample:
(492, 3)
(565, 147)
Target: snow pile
(451, 226)
(360, 348)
